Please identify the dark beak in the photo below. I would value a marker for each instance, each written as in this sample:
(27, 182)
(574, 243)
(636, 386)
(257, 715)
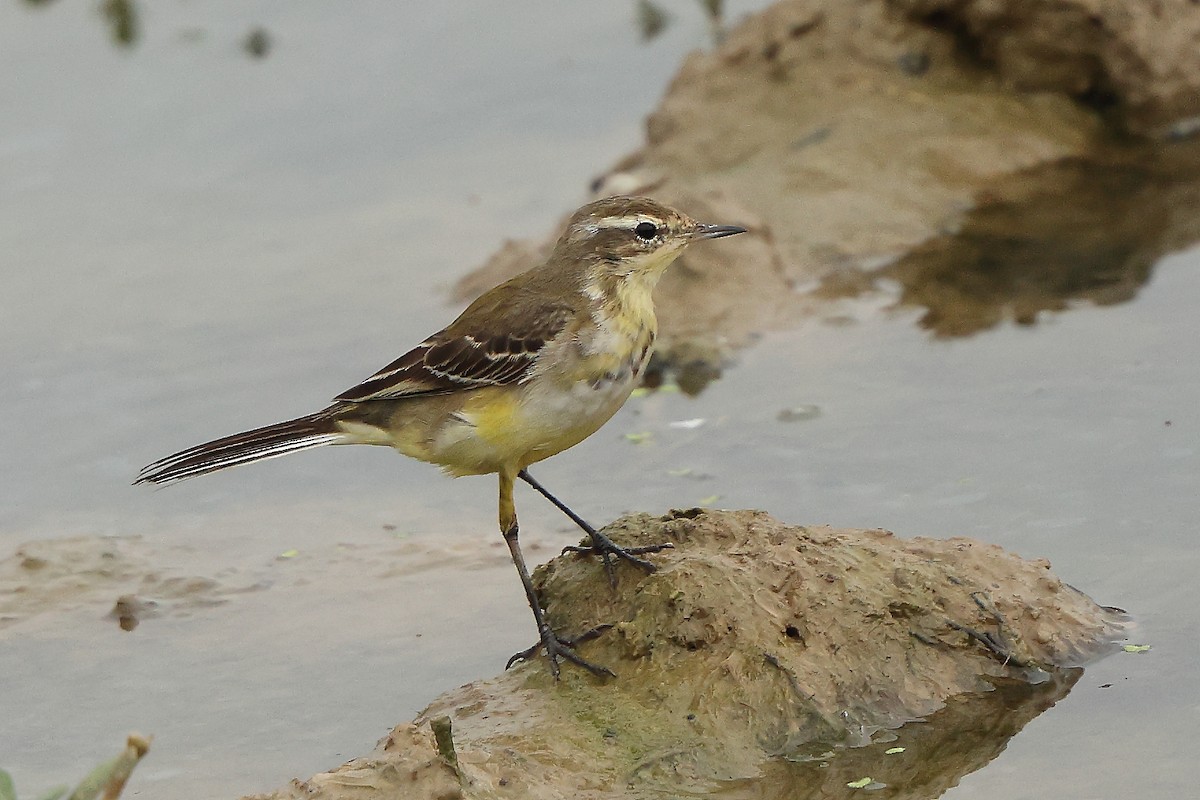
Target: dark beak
(716, 231)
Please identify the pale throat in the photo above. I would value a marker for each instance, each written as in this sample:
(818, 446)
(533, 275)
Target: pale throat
(626, 297)
(622, 307)
(624, 304)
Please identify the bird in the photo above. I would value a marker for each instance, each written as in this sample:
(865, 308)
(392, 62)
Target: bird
(532, 367)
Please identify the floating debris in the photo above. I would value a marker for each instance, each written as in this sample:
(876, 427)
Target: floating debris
(714, 8)
(122, 18)
(651, 20)
(257, 43)
(129, 610)
(798, 413)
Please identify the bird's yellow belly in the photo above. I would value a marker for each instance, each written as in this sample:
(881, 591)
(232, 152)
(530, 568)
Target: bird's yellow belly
(576, 389)
(519, 426)
(556, 419)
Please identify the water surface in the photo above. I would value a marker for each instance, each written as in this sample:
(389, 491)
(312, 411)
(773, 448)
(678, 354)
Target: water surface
(198, 241)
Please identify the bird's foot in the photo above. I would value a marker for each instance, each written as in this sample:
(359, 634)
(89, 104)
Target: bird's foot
(605, 548)
(557, 647)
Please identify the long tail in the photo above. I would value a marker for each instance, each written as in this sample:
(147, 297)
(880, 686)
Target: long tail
(302, 433)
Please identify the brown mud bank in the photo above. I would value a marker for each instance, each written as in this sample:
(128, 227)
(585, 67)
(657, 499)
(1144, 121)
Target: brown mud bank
(850, 135)
(56, 575)
(760, 656)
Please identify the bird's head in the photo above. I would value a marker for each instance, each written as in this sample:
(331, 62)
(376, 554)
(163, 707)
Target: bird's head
(632, 236)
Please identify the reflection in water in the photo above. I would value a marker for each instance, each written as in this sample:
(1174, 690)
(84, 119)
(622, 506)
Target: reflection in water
(963, 737)
(689, 366)
(122, 18)
(1082, 229)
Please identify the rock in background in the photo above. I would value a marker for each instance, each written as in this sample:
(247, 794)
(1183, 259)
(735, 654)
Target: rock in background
(847, 134)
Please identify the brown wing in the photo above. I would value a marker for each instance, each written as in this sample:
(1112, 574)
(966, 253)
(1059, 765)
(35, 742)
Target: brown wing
(474, 351)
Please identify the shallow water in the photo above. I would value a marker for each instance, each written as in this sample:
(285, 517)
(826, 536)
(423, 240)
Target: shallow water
(197, 242)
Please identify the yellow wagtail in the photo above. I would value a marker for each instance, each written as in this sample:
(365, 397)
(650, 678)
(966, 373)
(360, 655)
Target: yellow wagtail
(532, 367)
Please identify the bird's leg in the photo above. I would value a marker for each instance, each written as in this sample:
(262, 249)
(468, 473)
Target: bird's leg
(601, 544)
(555, 646)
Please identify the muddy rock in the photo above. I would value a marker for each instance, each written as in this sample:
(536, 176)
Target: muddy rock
(846, 134)
(1137, 62)
(756, 645)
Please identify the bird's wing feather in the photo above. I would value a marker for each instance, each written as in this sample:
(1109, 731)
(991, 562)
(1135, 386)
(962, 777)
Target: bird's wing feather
(495, 351)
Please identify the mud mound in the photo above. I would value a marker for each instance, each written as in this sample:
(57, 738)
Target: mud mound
(756, 644)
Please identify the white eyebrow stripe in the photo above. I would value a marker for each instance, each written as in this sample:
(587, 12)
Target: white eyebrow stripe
(627, 221)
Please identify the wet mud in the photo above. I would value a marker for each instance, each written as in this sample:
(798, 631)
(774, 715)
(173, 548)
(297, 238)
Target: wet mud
(63, 575)
(756, 648)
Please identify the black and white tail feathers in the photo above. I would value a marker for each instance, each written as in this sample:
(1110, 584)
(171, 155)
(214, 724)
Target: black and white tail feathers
(302, 433)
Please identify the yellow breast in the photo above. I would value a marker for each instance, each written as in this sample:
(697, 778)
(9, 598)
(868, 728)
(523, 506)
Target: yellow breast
(580, 379)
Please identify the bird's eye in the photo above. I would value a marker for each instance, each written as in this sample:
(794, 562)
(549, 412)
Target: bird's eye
(646, 231)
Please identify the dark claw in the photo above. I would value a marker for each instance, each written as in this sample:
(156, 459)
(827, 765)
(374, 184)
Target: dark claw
(601, 544)
(625, 552)
(604, 547)
(557, 647)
